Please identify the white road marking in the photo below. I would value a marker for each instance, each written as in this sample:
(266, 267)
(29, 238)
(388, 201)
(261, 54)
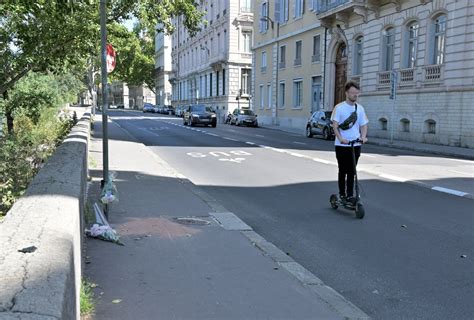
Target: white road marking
(212, 134)
(464, 161)
(461, 172)
(297, 155)
(235, 160)
(250, 143)
(394, 178)
(296, 142)
(450, 191)
(230, 139)
(260, 136)
(322, 161)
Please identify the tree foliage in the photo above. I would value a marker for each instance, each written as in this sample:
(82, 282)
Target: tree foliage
(47, 35)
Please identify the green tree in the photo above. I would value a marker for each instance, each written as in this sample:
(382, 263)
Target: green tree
(50, 35)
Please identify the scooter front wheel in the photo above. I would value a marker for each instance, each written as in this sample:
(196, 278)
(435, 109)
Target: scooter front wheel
(333, 201)
(359, 211)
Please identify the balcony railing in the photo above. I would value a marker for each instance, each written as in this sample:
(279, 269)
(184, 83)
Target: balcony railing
(282, 64)
(407, 76)
(246, 9)
(383, 79)
(316, 58)
(297, 62)
(432, 73)
(326, 5)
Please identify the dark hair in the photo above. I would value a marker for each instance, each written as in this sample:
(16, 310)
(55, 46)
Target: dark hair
(350, 84)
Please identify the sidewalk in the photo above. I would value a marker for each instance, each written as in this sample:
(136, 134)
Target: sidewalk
(457, 152)
(186, 256)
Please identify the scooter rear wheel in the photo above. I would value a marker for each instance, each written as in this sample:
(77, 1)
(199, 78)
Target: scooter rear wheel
(333, 201)
(359, 211)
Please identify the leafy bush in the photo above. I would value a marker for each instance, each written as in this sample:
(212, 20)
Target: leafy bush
(38, 128)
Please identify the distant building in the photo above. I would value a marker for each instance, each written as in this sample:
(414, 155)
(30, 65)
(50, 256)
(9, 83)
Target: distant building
(305, 51)
(163, 68)
(214, 66)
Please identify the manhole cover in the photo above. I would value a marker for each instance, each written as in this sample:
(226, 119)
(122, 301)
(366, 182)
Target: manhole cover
(193, 221)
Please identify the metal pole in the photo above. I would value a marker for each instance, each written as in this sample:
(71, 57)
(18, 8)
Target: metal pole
(105, 103)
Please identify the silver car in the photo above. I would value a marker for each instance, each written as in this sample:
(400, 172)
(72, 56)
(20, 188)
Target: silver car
(244, 117)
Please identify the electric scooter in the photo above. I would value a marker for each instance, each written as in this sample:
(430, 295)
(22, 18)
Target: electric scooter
(357, 206)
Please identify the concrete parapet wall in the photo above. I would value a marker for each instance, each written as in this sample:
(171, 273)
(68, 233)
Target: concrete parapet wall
(45, 283)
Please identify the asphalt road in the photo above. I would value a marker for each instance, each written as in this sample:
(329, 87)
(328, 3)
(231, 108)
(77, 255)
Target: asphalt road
(411, 257)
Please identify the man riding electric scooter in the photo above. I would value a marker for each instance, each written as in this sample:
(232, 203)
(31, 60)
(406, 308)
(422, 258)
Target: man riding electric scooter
(350, 127)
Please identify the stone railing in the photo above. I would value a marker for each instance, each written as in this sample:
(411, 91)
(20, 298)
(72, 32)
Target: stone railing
(41, 237)
(407, 76)
(383, 79)
(432, 73)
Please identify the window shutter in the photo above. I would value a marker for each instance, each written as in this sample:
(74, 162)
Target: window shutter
(260, 21)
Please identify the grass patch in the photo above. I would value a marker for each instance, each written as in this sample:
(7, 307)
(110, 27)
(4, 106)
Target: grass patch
(87, 298)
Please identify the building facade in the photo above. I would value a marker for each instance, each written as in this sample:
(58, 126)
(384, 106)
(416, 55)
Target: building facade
(418, 52)
(288, 65)
(214, 66)
(163, 69)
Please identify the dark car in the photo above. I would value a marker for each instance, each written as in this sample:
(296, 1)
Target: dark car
(170, 110)
(148, 107)
(200, 114)
(320, 124)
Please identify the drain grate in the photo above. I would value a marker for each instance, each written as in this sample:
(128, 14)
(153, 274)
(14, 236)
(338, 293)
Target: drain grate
(192, 221)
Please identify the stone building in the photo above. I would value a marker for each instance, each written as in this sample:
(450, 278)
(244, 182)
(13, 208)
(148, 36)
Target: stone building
(416, 51)
(214, 66)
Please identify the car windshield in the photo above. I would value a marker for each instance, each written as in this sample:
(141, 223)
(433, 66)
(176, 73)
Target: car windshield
(247, 112)
(201, 108)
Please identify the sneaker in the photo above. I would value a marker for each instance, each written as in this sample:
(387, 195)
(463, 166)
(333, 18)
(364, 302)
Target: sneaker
(351, 200)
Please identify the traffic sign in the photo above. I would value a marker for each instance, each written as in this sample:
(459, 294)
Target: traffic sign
(110, 58)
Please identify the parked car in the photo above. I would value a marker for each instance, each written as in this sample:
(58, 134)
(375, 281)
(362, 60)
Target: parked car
(170, 110)
(148, 107)
(244, 117)
(158, 109)
(120, 106)
(320, 124)
(200, 114)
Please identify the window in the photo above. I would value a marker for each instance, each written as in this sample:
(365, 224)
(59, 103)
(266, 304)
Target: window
(357, 70)
(246, 41)
(282, 62)
(263, 23)
(263, 66)
(269, 93)
(246, 5)
(298, 93)
(388, 48)
(299, 8)
(262, 97)
(412, 44)
(284, 10)
(223, 82)
(430, 126)
(316, 49)
(298, 53)
(217, 83)
(210, 84)
(405, 125)
(383, 124)
(439, 40)
(281, 95)
(245, 81)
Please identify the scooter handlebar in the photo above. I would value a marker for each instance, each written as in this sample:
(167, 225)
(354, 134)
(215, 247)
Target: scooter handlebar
(352, 142)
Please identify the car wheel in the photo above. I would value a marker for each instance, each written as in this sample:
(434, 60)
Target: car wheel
(309, 134)
(326, 134)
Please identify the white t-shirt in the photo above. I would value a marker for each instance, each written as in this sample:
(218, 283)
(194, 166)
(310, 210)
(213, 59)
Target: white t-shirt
(340, 113)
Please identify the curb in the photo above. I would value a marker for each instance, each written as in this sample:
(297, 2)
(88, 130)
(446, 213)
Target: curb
(229, 221)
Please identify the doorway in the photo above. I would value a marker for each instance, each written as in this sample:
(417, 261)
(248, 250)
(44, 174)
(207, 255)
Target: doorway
(341, 74)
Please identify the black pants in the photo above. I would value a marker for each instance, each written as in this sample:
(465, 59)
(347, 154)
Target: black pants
(346, 169)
